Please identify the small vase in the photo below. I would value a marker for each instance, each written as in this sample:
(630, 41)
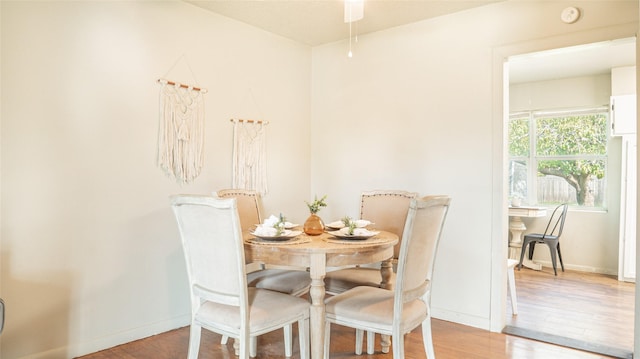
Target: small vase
(313, 226)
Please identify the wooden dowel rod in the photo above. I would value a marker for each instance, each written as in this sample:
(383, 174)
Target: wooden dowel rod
(181, 85)
(250, 121)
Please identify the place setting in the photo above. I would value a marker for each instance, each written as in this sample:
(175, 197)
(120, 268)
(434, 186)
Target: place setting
(277, 230)
(348, 230)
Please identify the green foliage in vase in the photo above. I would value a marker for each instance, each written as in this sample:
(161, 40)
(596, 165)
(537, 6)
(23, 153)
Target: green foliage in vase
(315, 206)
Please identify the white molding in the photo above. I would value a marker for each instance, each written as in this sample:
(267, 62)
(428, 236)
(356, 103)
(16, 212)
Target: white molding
(461, 318)
(111, 341)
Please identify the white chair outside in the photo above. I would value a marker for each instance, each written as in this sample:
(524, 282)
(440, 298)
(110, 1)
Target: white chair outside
(511, 282)
(221, 301)
(398, 311)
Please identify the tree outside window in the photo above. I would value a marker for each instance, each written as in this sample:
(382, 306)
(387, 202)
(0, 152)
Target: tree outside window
(559, 157)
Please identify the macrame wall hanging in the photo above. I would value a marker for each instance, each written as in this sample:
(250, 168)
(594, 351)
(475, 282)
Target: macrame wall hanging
(250, 155)
(181, 132)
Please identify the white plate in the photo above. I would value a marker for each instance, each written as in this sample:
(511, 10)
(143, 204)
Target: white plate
(282, 237)
(361, 235)
(360, 223)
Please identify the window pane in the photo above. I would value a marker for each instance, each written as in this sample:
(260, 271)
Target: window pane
(519, 137)
(578, 182)
(572, 135)
(518, 186)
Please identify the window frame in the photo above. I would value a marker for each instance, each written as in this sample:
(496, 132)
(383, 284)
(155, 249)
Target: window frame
(533, 158)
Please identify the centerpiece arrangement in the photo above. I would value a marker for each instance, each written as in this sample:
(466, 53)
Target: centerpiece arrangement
(314, 226)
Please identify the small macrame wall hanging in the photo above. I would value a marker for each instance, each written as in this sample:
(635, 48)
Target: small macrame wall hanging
(250, 155)
(181, 132)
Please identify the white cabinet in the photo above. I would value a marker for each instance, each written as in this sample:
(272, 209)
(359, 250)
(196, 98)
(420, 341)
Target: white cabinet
(623, 115)
(627, 255)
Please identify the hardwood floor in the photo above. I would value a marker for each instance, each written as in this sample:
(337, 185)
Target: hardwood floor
(452, 341)
(588, 306)
(594, 308)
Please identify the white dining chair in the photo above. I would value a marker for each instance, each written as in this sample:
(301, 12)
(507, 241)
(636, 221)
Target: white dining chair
(387, 209)
(290, 281)
(222, 302)
(398, 311)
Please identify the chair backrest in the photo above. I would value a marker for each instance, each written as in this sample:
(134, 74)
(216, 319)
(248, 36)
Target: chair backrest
(249, 206)
(557, 220)
(423, 230)
(387, 210)
(213, 249)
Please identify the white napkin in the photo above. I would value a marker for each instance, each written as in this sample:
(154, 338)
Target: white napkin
(271, 221)
(265, 231)
(361, 223)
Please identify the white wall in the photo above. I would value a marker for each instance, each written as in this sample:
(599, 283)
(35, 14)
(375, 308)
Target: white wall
(90, 255)
(590, 238)
(89, 247)
(419, 107)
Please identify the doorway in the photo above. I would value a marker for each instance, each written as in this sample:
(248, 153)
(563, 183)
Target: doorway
(542, 81)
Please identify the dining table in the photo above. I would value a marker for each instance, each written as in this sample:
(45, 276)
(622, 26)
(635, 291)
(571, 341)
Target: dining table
(317, 254)
(517, 228)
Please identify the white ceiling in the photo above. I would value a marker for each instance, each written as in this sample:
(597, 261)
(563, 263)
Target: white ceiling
(590, 59)
(317, 22)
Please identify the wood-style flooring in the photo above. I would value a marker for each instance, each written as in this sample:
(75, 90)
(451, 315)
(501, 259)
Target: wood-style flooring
(588, 306)
(593, 308)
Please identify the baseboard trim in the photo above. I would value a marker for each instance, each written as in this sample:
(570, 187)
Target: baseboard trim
(578, 268)
(79, 349)
(568, 342)
(460, 318)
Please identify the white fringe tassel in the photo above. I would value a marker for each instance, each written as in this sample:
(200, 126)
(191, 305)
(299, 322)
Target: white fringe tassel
(250, 157)
(181, 133)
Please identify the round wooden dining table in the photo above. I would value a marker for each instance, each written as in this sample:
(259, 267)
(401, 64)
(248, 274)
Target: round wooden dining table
(317, 253)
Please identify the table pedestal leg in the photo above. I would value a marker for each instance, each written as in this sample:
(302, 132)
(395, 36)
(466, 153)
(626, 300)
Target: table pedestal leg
(386, 271)
(317, 292)
(517, 227)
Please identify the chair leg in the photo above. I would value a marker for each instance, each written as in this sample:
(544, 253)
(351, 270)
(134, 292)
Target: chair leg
(253, 347)
(522, 251)
(371, 340)
(385, 342)
(552, 251)
(511, 280)
(560, 256)
(398, 346)
(287, 340)
(532, 247)
(427, 338)
(245, 346)
(194, 341)
(359, 337)
(327, 339)
(303, 335)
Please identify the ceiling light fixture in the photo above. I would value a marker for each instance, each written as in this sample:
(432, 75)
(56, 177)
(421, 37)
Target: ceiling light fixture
(353, 11)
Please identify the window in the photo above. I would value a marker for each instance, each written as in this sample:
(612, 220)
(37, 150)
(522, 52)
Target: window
(559, 157)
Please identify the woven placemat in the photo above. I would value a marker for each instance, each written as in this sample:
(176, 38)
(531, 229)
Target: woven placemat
(296, 240)
(355, 241)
